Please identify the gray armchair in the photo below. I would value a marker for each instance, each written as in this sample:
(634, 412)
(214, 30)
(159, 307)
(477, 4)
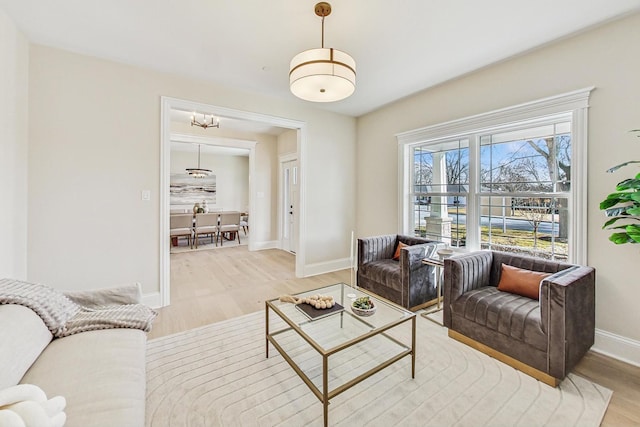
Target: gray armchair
(544, 338)
(406, 282)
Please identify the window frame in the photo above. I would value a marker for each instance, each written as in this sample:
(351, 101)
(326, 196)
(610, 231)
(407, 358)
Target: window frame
(572, 105)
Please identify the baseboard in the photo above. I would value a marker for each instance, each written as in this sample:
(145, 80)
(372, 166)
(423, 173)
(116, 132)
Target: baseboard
(617, 346)
(269, 244)
(152, 300)
(326, 267)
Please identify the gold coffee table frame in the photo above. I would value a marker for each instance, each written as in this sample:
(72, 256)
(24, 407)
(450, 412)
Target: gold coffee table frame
(375, 327)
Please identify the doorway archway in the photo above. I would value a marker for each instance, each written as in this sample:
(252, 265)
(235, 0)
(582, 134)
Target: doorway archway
(168, 104)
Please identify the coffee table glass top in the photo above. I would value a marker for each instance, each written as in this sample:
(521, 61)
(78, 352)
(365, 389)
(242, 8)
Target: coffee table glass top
(351, 326)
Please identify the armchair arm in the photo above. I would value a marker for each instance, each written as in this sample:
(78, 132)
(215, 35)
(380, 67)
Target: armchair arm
(418, 279)
(567, 308)
(120, 295)
(411, 256)
(463, 273)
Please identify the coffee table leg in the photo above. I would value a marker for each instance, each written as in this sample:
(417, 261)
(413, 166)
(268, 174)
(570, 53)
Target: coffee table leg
(325, 389)
(266, 322)
(413, 347)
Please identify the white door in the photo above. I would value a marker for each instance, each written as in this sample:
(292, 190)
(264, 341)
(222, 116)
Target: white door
(289, 205)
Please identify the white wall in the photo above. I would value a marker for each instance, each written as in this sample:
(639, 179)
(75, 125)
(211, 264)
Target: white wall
(14, 69)
(606, 57)
(96, 145)
(232, 177)
(287, 142)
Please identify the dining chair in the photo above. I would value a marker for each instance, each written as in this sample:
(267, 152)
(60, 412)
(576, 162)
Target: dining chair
(244, 222)
(229, 223)
(181, 225)
(206, 223)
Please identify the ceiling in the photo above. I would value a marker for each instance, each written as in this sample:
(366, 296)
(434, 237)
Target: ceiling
(189, 147)
(400, 47)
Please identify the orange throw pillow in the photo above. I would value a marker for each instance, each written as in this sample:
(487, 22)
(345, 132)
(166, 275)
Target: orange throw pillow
(396, 256)
(521, 282)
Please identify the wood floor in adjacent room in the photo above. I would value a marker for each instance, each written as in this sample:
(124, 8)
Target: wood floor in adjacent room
(213, 285)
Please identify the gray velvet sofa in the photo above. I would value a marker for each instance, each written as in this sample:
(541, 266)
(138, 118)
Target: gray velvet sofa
(544, 338)
(407, 281)
(100, 373)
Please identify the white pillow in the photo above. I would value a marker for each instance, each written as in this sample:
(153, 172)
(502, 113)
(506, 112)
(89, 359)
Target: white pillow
(26, 405)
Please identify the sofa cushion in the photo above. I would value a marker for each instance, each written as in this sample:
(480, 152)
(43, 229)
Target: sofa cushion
(23, 336)
(512, 315)
(100, 373)
(520, 281)
(384, 271)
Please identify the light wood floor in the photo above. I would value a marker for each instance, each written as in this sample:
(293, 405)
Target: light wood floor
(218, 284)
(214, 285)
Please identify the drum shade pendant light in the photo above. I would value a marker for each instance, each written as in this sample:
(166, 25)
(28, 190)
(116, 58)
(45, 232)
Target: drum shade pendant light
(199, 172)
(322, 75)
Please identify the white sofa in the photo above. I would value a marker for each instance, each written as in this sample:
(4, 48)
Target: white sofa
(100, 373)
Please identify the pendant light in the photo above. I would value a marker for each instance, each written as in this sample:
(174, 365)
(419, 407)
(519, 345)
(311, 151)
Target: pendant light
(204, 123)
(199, 172)
(324, 74)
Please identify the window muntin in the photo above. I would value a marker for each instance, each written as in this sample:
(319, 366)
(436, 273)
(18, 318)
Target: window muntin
(529, 225)
(529, 160)
(440, 189)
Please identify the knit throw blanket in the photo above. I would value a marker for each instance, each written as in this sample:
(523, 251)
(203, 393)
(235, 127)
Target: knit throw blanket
(64, 317)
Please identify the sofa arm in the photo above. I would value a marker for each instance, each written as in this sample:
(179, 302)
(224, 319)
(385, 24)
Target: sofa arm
(463, 273)
(120, 295)
(567, 309)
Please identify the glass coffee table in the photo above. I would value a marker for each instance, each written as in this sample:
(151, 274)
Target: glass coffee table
(358, 346)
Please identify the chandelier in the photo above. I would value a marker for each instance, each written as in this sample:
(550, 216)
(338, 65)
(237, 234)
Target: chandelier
(199, 172)
(205, 124)
(324, 74)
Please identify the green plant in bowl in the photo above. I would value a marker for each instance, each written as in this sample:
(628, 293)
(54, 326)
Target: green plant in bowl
(363, 303)
(363, 306)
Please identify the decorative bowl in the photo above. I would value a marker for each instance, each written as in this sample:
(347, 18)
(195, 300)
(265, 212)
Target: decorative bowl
(445, 253)
(364, 312)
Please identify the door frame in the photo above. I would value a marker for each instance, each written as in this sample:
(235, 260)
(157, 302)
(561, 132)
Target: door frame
(169, 103)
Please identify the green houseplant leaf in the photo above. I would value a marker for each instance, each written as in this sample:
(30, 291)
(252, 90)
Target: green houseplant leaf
(628, 184)
(624, 203)
(615, 219)
(621, 165)
(621, 238)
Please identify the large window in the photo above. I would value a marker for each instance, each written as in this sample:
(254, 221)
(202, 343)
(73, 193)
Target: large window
(495, 183)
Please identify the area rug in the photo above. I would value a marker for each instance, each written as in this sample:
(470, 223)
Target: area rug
(217, 375)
